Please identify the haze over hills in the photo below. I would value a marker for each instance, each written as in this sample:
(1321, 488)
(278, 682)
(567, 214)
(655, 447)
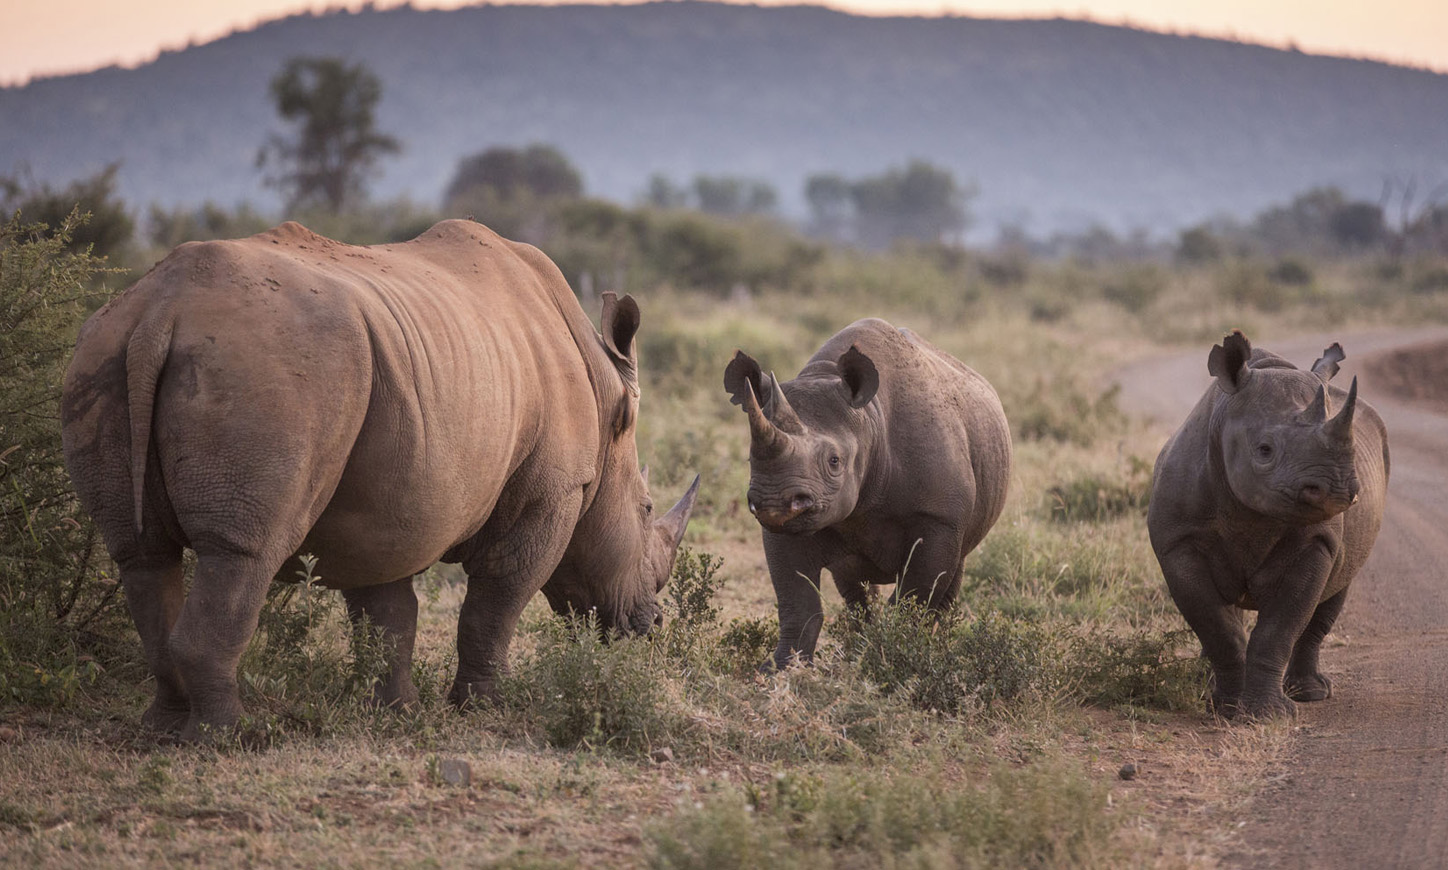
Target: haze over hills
(1059, 123)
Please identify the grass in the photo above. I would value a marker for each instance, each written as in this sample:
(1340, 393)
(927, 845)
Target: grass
(989, 736)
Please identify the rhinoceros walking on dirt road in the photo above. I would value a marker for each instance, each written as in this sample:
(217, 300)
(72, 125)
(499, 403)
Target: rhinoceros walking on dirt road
(885, 460)
(382, 408)
(1268, 498)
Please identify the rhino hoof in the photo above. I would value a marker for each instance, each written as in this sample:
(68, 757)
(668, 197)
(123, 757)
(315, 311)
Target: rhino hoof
(165, 719)
(1312, 687)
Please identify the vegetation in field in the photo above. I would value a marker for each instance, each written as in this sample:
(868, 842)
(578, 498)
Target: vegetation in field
(989, 735)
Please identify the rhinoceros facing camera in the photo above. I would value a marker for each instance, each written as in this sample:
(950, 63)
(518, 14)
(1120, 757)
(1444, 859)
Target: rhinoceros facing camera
(885, 461)
(1268, 498)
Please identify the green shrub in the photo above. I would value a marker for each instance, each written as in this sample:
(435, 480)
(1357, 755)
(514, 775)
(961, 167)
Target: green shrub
(62, 619)
(300, 671)
(1143, 670)
(583, 688)
(1135, 288)
(1061, 409)
(947, 663)
(1041, 815)
(1093, 498)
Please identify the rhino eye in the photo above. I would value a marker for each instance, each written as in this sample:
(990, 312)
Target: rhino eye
(648, 507)
(834, 463)
(1264, 451)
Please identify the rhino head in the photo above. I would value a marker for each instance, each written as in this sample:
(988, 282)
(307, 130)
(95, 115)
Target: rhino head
(621, 553)
(808, 455)
(1285, 451)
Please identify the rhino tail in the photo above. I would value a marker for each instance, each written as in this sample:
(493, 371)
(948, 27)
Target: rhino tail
(145, 356)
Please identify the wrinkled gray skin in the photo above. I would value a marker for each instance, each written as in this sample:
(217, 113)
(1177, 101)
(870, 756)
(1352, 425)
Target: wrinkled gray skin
(382, 408)
(885, 460)
(1268, 498)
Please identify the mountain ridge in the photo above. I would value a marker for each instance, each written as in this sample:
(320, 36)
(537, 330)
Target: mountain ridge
(1058, 122)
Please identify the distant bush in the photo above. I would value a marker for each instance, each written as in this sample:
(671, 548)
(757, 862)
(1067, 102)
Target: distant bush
(1135, 287)
(1094, 498)
(1198, 245)
(1061, 409)
(107, 230)
(1291, 272)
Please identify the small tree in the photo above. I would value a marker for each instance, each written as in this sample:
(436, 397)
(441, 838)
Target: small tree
(922, 202)
(107, 229)
(336, 143)
(539, 171)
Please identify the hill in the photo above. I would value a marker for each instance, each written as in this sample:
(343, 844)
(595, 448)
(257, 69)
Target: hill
(1058, 122)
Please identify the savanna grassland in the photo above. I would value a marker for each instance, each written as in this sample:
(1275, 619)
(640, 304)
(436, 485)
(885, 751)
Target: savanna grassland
(994, 736)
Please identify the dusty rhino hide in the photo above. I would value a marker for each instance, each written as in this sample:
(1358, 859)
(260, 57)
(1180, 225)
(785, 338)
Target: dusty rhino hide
(1268, 498)
(885, 461)
(382, 408)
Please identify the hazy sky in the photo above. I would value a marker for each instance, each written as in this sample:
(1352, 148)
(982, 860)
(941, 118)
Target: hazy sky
(58, 36)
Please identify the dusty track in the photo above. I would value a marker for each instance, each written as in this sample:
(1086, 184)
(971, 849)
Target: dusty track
(1368, 783)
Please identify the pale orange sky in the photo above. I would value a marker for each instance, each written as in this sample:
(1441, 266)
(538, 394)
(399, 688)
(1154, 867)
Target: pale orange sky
(39, 37)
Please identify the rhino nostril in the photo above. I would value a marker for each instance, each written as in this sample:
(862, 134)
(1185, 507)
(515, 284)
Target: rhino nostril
(1312, 493)
(800, 503)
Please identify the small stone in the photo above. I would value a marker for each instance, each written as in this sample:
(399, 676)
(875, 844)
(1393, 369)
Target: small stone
(662, 755)
(455, 771)
(1127, 771)
(8, 734)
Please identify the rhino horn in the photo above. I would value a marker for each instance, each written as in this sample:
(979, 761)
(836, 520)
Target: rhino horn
(1340, 427)
(765, 439)
(780, 413)
(1317, 411)
(676, 521)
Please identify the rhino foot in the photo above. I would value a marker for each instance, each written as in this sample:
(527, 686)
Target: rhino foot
(1265, 707)
(166, 718)
(1308, 687)
(466, 695)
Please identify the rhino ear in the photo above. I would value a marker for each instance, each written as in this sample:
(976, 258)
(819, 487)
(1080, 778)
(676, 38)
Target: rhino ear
(861, 377)
(743, 374)
(1326, 366)
(1228, 362)
(618, 324)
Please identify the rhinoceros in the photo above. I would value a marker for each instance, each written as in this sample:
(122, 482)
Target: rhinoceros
(885, 461)
(1268, 498)
(382, 408)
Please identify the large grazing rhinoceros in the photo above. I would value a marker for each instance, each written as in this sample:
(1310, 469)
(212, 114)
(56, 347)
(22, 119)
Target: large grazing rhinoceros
(382, 408)
(886, 460)
(1268, 498)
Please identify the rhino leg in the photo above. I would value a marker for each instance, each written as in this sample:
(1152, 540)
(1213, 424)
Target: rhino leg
(154, 594)
(518, 549)
(1217, 623)
(932, 573)
(794, 568)
(1285, 608)
(1305, 681)
(391, 609)
(855, 578)
(216, 622)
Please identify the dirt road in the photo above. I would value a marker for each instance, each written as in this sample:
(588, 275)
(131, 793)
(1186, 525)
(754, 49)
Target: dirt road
(1368, 785)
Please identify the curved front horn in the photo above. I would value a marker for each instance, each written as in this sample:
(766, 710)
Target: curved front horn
(765, 439)
(780, 413)
(676, 521)
(1340, 427)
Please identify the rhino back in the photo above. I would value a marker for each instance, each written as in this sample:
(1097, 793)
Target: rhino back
(933, 405)
(380, 398)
